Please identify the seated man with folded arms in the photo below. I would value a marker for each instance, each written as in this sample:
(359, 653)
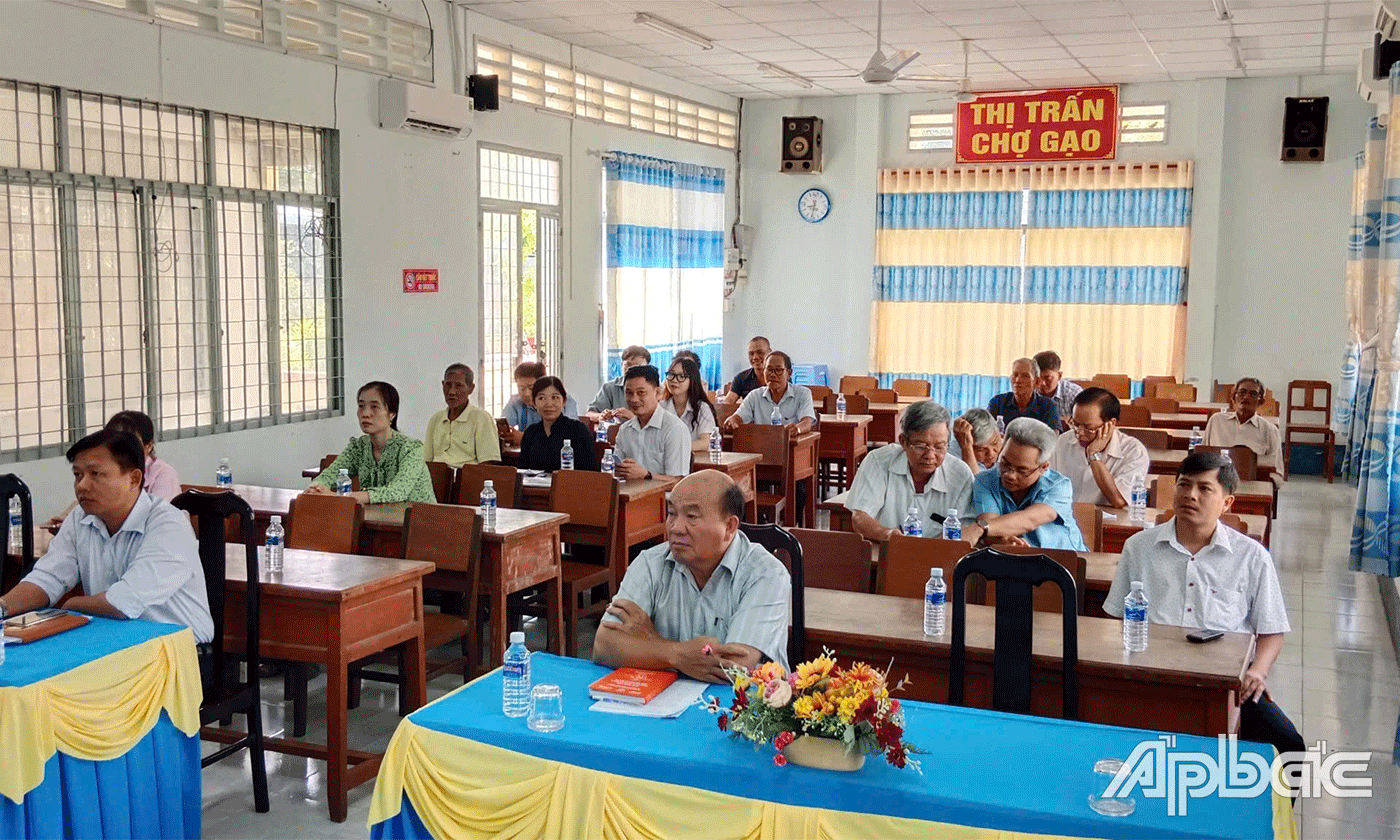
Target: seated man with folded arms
(1022, 400)
(1099, 461)
(1055, 387)
(794, 402)
(978, 439)
(1023, 501)
(916, 473)
(751, 378)
(134, 554)
(1200, 573)
(706, 597)
(520, 413)
(653, 443)
(1245, 425)
(610, 403)
(461, 433)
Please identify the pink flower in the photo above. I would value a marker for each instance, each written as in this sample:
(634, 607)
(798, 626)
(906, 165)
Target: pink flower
(780, 760)
(784, 738)
(706, 650)
(777, 693)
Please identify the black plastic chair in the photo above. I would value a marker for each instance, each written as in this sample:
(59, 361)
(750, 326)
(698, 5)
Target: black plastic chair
(224, 693)
(1015, 576)
(12, 485)
(788, 550)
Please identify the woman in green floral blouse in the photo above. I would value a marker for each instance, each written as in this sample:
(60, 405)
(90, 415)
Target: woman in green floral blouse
(388, 463)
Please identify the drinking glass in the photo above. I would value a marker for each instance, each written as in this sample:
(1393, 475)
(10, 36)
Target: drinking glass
(1113, 806)
(546, 708)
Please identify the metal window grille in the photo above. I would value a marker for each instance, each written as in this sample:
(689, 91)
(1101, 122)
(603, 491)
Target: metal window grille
(173, 260)
(1139, 124)
(930, 130)
(535, 81)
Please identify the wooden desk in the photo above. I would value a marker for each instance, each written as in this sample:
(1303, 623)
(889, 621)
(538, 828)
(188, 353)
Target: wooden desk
(1205, 408)
(332, 609)
(1165, 461)
(885, 425)
(740, 466)
(1180, 420)
(802, 462)
(1173, 686)
(845, 440)
(839, 513)
(1180, 438)
(1099, 569)
(641, 513)
(1118, 526)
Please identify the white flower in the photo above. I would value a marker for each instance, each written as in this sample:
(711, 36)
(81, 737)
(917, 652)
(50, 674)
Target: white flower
(777, 693)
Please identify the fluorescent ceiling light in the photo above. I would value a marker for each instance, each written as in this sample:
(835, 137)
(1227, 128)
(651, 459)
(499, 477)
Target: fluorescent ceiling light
(674, 30)
(1222, 11)
(784, 73)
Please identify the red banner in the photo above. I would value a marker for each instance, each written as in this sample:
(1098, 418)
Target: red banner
(420, 280)
(1038, 125)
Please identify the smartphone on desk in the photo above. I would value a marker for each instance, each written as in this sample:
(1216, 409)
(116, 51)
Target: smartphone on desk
(1201, 636)
(31, 619)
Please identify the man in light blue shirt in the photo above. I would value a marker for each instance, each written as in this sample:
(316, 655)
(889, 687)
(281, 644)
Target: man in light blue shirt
(520, 411)
(793, 402)
(1023, 501)
(654, 442)
(135, 555)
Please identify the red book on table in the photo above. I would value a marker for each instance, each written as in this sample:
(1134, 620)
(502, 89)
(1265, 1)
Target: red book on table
(637, 686)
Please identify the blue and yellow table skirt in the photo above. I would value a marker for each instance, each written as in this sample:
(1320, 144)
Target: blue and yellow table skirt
(99, 733)
(458, 768)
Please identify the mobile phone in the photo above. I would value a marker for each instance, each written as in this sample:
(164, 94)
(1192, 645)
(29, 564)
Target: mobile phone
(1200, 636)
(36, 617)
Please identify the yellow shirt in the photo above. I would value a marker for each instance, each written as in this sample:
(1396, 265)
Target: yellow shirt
(470, 439)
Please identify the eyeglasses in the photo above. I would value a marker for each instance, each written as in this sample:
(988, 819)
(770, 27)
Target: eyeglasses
(1246, 392)
(922, 449)
(1019, 472)
(1081, 427)
(676, 377)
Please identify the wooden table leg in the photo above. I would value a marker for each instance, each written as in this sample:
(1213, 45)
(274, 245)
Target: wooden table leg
(337, 736)
(554, 610)
(500, 629)
(809, 515)
(415, 674)
(790, 492)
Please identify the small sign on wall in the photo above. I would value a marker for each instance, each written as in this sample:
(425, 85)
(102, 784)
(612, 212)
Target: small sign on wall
(420, 280)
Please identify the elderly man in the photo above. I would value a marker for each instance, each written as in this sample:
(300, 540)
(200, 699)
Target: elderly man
(134, 554)
(1051, 384)
(978, 438)
(653, 443)
(915, 474)
(461, 433)
(793, 402)
(1099, 461)
(1197, 572)
(750, 378)
(706, 598)
(1023, 501)
(611, 401)
(1022, 400)
(1245, 425)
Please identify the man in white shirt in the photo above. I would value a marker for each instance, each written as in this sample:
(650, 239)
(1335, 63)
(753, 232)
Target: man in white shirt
(610, 403)
(793, 402)
(917, 473)
(1053, 385)
(1245, 425)
(1199, 573)
(653, 444)
(1100, 461)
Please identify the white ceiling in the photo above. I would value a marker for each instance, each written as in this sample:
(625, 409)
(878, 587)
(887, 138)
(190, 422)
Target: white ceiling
(1015, 43)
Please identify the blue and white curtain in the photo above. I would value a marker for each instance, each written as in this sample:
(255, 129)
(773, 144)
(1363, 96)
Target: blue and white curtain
(1353, 402)
(665, 260)
(976, 267)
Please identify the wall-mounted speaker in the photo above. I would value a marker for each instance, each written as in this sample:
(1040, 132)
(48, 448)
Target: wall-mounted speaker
(484, 92)
(1304, 129)
(802, 144)
(1384, 53)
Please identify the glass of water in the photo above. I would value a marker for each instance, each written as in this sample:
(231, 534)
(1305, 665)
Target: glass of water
(1113, 806)
(546, 708)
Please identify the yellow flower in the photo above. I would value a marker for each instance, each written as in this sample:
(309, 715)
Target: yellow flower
(807, 707)
(811, 673)
(742, 682)
(769, 671)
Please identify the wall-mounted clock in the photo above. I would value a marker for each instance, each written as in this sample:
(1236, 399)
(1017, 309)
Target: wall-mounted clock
(813, 205)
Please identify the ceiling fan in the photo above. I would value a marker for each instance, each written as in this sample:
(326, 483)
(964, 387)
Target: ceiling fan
(882, 69)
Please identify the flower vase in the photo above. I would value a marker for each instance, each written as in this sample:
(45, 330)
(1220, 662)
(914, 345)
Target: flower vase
(823, 754)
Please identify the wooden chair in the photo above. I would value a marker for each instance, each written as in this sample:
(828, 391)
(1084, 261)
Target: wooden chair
(1151, 438)
(784, 546)
(1233, 520)
(1158, 405)
(330, 459)
(876, 395)
(1269, 407)
(774, 444)
(1090, 520)
(1015, 576)
(1134, 415)
(913, 387)
(854, 384)
(905, 562)
(1311, 397)
(819, 392)
(1118, 384)
(855, 404)
(1045, 598)
(1083, 383)
(224, 693)
(1246, 461)
(1223, 392)
(1150, 383)
(442, 477)
(506, 481)
(11, 486)
(1181, 392)
(834, 559)
(591, 501)
(723, 411)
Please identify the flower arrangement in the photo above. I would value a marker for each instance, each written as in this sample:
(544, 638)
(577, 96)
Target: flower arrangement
(818, 699)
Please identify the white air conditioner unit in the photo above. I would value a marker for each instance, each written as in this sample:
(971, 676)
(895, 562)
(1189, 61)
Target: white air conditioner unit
(1370, 89)
(417, 109)
(1388, 19)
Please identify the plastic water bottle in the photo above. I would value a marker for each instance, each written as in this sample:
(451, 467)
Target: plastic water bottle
(1195, 438)
(601, 431)
(566, 456)
(840, 406)
(1137, 502)
(776, 418)
(1001, 424)
(913, 523)
(488, 505)
(223, 476)
(716, 445)
(609, 465)
(515, 678)
(342, 482)
(935, 603)
(275, 543)
(952, 525)
(16, 525)
(1135, 619)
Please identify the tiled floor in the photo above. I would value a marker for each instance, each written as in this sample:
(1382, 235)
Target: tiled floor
(1337, 679)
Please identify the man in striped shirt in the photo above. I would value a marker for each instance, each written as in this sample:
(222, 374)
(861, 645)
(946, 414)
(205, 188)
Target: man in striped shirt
(1054, 386)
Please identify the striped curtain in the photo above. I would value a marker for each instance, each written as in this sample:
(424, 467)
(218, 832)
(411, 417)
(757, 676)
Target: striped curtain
(665, 260)
(1353, 402)
(979, 266)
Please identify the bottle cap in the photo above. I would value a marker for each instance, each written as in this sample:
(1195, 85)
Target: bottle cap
(607, 452)
(952, 513)
(935, 572)
(489, 483)
(517, 637)
(275, 520)
(1137, 586)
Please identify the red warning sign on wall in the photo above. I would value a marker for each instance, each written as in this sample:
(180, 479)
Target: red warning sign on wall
(420, 280)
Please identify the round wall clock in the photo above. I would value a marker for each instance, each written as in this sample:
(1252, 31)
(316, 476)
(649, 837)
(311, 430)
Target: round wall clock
(813, 205)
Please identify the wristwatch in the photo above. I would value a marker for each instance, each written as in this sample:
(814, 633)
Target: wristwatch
(1097, 456)
(648, 475)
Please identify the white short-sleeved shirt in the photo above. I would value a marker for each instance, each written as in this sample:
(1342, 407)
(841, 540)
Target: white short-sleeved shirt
(702, 427)
(1258, 433)
(1230, 585)
(661, 447)
(1125, 457)
(796, 404)
(884, 490)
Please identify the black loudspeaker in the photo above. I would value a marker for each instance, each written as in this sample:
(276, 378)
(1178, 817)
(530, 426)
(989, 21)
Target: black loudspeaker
(484, 92)
(1384, 53)
(802, 144)
(1304, 129)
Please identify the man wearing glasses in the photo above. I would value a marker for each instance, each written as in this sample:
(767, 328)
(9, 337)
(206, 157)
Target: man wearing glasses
(794, 402)
(1099, 461)
(918, 473)
(1023, 501)
(1245, 425)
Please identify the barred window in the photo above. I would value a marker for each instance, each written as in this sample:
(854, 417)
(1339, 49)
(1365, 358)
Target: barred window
(1139, 124)
(930, 130)
(177, 261)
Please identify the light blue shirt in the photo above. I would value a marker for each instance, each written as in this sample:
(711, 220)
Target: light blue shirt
(662, 446)
(148, 569)
(523, 416)
(612, 396)
(1053, 489)
(796, 403)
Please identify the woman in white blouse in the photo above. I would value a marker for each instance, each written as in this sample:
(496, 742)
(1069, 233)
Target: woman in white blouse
(686, 397)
